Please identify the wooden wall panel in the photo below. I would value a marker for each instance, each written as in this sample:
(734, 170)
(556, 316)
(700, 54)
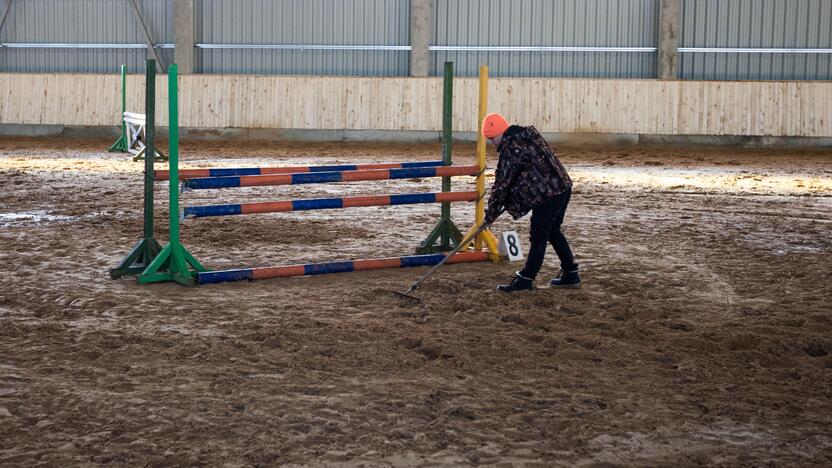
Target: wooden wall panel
(336, 103)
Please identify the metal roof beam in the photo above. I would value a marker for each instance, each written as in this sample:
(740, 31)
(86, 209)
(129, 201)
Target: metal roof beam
(147, 35)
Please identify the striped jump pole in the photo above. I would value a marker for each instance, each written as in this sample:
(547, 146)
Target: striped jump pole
(336, 267)
(246, 171)
(328, 177)
(327, 203)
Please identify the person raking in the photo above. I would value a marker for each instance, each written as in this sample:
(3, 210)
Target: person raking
(529, 177)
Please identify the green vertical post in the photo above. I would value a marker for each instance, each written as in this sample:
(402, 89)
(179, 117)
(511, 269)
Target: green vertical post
(150, 145)
(174, 262)
(148, 248)
(120, 146)
(447, 144)
(173, 157)
(445, 230)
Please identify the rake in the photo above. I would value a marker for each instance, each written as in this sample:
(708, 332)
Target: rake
(416, 284)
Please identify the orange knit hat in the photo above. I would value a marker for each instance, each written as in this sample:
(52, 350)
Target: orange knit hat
(494, 125)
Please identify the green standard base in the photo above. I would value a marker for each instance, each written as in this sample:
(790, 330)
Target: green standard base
(138, 259)
(120, 146)
(159, 157)
(173, 263)
(446, 232)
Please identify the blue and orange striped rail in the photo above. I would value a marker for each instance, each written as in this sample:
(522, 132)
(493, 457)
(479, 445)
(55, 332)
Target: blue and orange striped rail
(326, 203)
(246, 171)
(328, 177)
(336, 267)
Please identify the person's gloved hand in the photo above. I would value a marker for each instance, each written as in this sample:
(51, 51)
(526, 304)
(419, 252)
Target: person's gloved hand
(491, 215)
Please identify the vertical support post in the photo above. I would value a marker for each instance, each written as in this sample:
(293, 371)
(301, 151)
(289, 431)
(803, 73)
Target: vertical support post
(173, 156)
(183, 25)
(120, 146)
(479, 214)
(420, 11)
(174, 262)
(668, 53)
(148, 248)
(445, 231)
(150, 145)
(447, 144)
(485, 236)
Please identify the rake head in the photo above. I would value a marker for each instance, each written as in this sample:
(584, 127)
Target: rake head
(407, 296)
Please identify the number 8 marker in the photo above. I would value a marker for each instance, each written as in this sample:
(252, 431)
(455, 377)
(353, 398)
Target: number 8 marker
(510, 246)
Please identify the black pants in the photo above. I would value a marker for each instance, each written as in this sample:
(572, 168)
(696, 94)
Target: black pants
(545, 227)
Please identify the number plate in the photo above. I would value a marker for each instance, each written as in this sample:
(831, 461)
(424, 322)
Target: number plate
(510, 246)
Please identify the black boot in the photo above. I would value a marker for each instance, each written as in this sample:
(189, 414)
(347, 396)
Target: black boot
(519, 283)
(567, 279)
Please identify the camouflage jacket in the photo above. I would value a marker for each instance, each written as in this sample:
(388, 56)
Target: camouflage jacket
(528, 173)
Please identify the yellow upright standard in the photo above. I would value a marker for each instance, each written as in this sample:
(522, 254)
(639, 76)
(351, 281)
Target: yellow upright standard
(486, 237)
